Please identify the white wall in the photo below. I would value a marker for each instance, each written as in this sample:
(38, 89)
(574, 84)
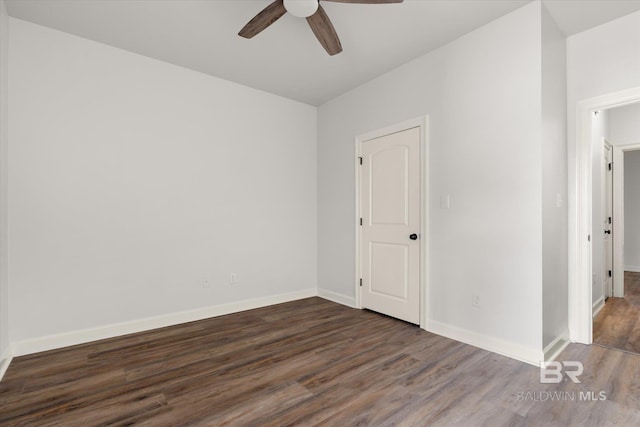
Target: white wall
(624, 125)
(4, 284)
(133, 180)
(602, 60)
(482, 93)
(554, 181)
(632, 210)
(624, 129)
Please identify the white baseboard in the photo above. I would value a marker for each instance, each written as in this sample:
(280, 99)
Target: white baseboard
(597, 306)
(555, 347)
(633, 268)
(51, 342)
(338, 298)
(5, 361)
(496, 345)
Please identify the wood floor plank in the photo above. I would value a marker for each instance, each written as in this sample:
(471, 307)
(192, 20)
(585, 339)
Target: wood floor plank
(258, 406)
(633, 340)
(618, 323)
(306, 363)
(34, 404)
(128, 406)
(624, 385)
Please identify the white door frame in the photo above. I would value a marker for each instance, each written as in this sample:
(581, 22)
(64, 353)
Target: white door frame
(618, 217)
(580, 288)
(422, 123)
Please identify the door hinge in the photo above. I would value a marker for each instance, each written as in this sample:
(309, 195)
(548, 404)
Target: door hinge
(360, 158)
(609, 273)
(610, 165)
(609, 220)
(360, 221)
(361, 281)
(588, 237)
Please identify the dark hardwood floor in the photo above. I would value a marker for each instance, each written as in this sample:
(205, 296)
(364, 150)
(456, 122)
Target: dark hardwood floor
(309, 362)
(618, 323)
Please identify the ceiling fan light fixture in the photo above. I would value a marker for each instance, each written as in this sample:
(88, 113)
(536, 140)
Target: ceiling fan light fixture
(317, 19)
(301, 8)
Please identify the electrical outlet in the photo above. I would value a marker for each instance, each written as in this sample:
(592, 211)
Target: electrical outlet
(233, 278)
(205, 283)
(475, 300)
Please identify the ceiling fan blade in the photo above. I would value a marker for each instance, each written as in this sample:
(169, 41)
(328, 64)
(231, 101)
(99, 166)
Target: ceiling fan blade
(262, 20)
(366, 1)
(325, 33)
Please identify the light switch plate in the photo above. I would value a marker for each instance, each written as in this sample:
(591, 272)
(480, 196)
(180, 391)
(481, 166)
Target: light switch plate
(445, 202)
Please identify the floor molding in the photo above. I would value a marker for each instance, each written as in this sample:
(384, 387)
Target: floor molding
(519, 352)
(496, 345)
(337, 298)
(5, 361)
(51, 342)
(555, 347)
(597, 306)
(632, 268)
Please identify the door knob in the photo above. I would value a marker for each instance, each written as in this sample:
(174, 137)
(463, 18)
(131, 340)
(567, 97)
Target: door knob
(607, 231)
(413, 237)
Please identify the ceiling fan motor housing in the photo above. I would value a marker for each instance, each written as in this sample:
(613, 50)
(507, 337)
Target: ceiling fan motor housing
(301, 8)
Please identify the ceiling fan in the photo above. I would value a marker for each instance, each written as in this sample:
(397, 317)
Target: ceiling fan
(316, 17)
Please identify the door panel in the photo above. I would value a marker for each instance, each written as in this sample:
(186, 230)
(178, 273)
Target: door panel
(388, 174)
(607, 220)
(390, 206)
(389, 265)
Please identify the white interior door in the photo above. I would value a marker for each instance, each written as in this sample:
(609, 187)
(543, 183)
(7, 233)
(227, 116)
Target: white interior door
(607, 219)
(390, 209)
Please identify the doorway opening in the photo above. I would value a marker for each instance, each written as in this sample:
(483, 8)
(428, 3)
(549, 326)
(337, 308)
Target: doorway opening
(587, 255)
(617, 323)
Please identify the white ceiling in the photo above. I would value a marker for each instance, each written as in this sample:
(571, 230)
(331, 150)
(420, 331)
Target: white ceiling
(286, 59)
